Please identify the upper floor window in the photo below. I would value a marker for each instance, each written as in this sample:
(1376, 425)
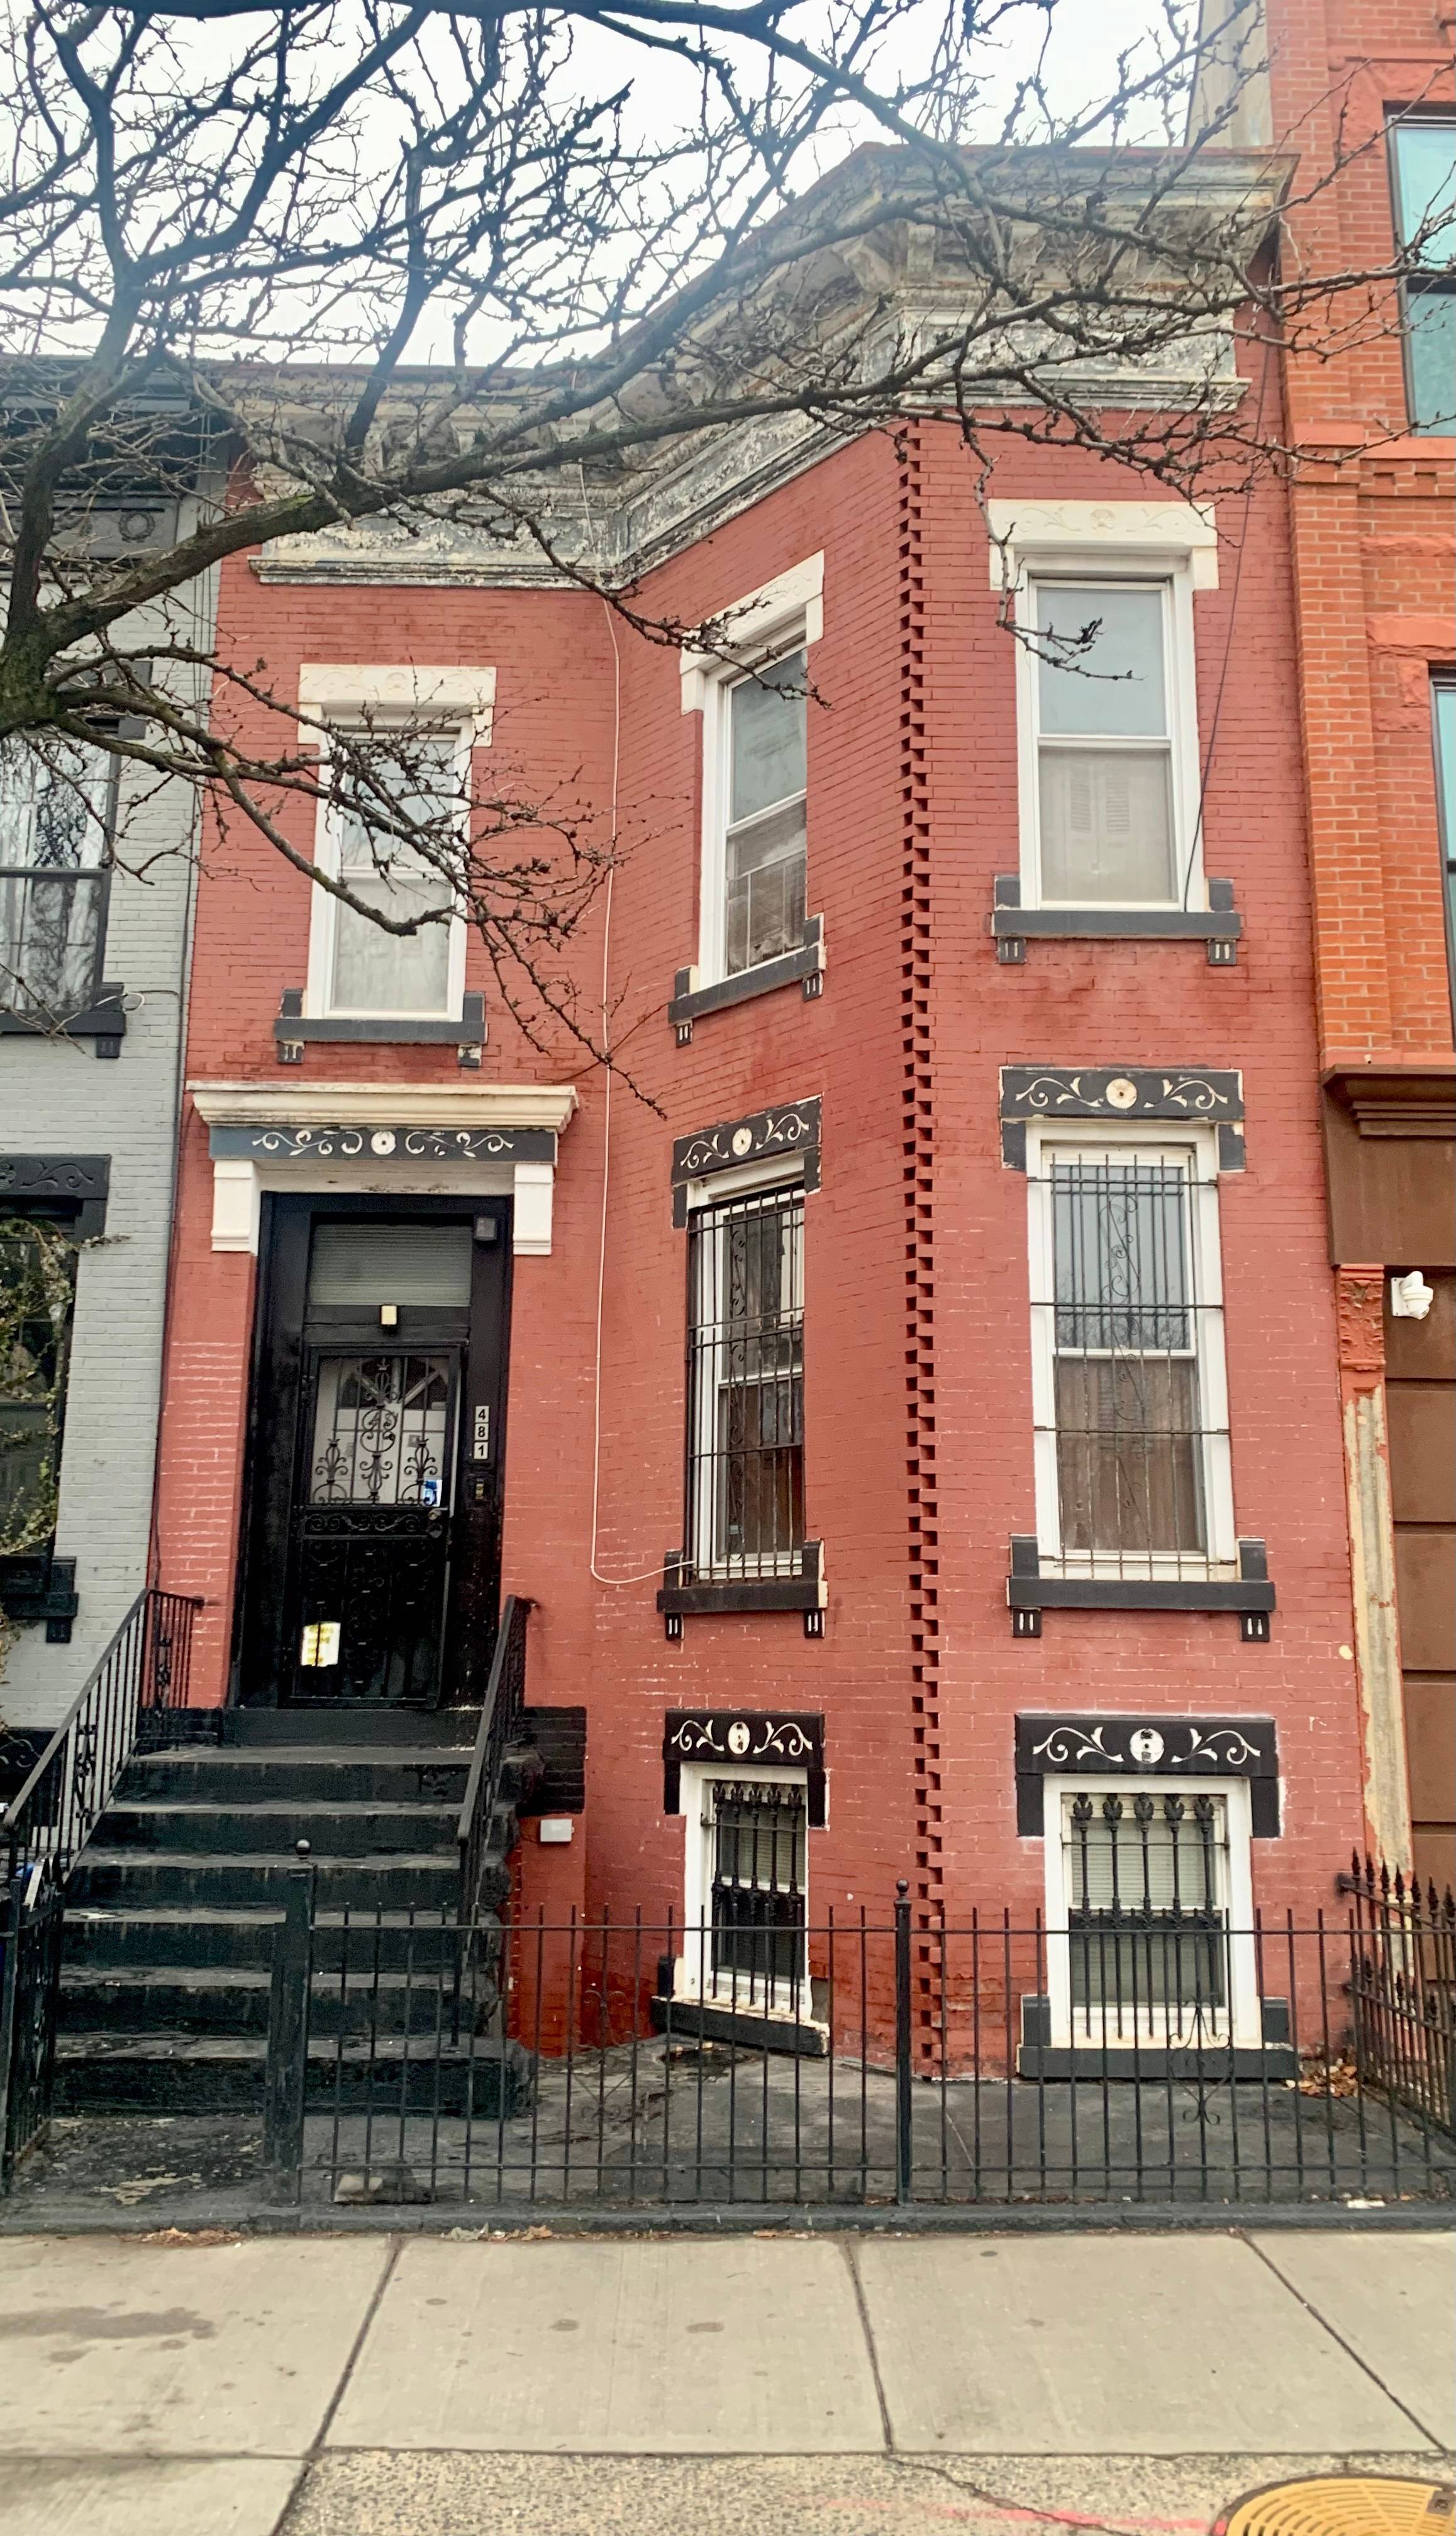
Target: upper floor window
(37, 1290)
(1109, 825)
(1129, 1395)
(355, 966)
(54, 810)
(752, 689)
(765, 761)
(745, 1475)
(1424, 166)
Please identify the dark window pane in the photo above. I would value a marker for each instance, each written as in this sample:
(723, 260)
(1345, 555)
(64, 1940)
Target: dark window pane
(38, 1285)
(745, 1346)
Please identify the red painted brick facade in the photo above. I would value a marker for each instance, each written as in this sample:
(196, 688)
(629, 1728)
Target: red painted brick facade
(917, 1384)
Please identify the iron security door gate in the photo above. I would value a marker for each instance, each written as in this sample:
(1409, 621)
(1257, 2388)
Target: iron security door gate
(373, 1539)
(373, 1519)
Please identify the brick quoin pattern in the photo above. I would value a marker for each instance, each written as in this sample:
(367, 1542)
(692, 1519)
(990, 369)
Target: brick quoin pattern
(917, 1387)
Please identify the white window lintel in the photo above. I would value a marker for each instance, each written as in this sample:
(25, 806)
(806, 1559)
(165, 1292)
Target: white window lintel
(792, 606)
(1178, 536)
(335, 688)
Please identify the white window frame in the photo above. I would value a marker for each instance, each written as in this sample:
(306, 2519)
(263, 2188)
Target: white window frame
(1170, 545)
(388, 696)
(785, 615)
(1196, 1149)
(693, 1977)
(753, 1179)
(1245, 2028)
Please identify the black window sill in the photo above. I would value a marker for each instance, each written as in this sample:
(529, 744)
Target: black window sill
(36, 1587)
(681, 1594)
(701, 2019)
(104, 1022)
(293, 1030)
(1250, 1593)
(1219, 926)
(1211, 2061)
(804, 966)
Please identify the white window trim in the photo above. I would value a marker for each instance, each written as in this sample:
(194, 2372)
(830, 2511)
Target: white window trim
(398, 693)
(1199, 1147)
(692, 1974)
(1244, 1981)
(1170, 544)
(787, 614)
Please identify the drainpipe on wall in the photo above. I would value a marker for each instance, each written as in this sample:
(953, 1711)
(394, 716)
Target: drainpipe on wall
(1360, 1297)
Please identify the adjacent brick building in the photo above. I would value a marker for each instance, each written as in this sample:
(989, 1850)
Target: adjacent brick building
(1372, 511)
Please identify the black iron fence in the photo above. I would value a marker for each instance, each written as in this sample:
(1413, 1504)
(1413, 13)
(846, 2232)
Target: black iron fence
(1402, 1989)
(133, 1696)
(31, 1918)
(557, 2065)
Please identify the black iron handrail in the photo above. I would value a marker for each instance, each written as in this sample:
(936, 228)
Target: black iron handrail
(500, 1718)
(142, 1670)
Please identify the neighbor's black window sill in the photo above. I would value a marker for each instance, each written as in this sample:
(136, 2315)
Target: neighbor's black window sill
(682, 1595)
(804, 967)
(705, 2019)
(1217, 927)
(293, 1030)
(104, 1022)
(35, 1586)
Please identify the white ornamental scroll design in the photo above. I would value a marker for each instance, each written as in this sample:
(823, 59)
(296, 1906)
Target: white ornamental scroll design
(781, 1738)
(1191, 1095)
(780, 1131)
(1226, 1747)
(427, 1144)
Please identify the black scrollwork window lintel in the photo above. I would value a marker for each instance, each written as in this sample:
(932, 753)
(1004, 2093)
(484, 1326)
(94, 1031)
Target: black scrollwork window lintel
(742, 1738)
(1085, 1745)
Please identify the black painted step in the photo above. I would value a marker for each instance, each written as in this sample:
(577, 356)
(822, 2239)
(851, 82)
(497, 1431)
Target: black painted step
(132, 1941)
(129, 2073)
(350, 1725)
(211, 2000)
(357, 1830)
(144, 1879)
(298, 1774)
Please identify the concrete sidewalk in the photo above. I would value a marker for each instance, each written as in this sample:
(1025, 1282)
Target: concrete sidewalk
(344, 2385)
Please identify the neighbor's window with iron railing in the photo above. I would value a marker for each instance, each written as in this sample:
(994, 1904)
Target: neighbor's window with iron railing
(757, 1855)
(54, 858)
(37, 1293)
(1131, 1408)
(1146, 1883)
(745, 1463)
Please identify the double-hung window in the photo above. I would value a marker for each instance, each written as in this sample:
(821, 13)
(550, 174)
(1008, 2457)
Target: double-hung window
(1128, 1382)
(1443, 711)
(1423, 181)
(54, 818)
(355, 966)
(765, 758)
(745, 1444)
(1109, 827)
(37, 1293)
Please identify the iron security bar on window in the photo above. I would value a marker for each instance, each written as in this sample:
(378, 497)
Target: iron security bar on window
(757, 1835)
(1147, 1918)
(1132, 1434)
(745, 1496)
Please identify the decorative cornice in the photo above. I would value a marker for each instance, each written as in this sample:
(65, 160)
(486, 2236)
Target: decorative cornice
(743, 1738)
(1392, 1101)
(765, 1135)
(1079, 1744)
(1121, 1095)
(446, 1109)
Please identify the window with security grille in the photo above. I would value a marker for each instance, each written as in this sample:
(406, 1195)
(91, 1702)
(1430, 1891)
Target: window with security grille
(1106, 827)
(757, 1856)
(764, 866)
(1146, 1887)
(1132, 1440)
(745, 1480)
(54, 812)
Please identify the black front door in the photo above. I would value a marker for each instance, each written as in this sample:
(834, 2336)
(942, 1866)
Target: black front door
(372, 1565)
